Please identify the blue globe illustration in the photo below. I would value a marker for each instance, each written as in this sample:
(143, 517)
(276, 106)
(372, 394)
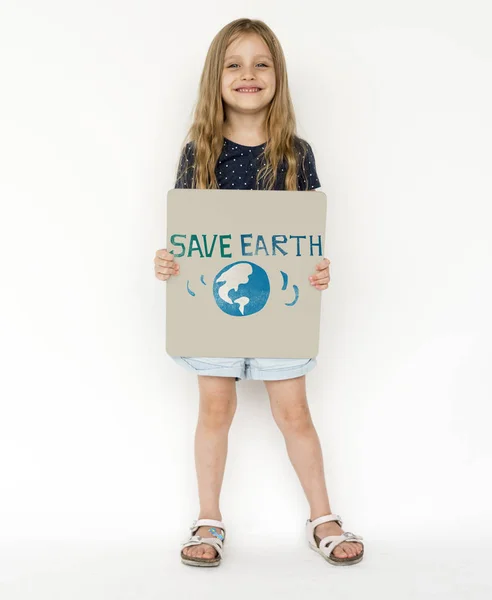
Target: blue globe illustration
(241, 289)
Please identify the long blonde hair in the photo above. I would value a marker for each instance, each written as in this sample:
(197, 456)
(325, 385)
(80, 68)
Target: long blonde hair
(207, 127)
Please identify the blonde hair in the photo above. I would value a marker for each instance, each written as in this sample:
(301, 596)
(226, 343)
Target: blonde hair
(206, 129)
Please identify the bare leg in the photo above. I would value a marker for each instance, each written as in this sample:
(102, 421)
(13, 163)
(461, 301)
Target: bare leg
(218, 403)
(291, 413)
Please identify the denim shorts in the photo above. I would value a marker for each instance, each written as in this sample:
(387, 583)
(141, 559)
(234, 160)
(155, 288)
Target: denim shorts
(247, 368)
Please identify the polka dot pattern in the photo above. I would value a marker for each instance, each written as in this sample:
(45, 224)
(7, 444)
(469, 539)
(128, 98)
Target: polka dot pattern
(238, 165)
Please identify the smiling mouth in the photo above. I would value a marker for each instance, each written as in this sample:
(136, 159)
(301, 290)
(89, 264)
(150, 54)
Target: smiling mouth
(248, 90)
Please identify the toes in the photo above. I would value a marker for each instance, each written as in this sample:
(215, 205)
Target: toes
(353, 549)
(350, 549)
(208, 553)
(344, 549)
(199, 551)
(357, 547)
(339, 551)
(193, 551)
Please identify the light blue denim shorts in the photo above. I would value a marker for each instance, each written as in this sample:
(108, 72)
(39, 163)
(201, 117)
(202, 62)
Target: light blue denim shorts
(247, 368)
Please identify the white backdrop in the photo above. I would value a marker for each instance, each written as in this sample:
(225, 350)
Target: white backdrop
(97, 422)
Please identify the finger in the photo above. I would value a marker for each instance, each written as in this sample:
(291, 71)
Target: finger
(167, 257)
(162, 277)
(164, 253)
(319, 278)
(162, 262)
(323, 280)
(165, 270)
(323, 264)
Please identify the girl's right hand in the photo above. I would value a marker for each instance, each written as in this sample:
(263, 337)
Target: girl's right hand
(165, 266)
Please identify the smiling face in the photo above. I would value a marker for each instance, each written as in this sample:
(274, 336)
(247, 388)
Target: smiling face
(248, 65)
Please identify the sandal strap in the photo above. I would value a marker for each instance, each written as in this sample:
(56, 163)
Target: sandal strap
(333, 540)
(329, 542)
(211, 522)
(324, 519)
(199, 522)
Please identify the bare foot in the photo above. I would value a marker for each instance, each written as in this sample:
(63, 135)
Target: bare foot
(202, 550)
(343, 550)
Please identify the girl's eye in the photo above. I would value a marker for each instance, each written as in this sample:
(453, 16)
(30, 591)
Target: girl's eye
(235, 64)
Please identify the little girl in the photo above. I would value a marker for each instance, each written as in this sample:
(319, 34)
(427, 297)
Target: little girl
(243, 137)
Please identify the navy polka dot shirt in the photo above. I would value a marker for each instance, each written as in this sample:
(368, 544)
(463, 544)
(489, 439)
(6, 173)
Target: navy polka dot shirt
(237, 167)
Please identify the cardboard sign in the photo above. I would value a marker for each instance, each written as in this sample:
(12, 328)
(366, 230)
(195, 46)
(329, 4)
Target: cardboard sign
(245, 259)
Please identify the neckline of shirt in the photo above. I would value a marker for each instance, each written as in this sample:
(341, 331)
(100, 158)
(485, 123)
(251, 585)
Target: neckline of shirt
(242, 145)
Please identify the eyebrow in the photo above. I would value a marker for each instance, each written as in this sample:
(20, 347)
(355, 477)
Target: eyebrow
(256, 56)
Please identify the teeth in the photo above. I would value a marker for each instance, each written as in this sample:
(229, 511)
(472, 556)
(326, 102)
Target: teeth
(250, 90)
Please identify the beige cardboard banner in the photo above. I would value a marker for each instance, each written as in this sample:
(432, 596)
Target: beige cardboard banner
(245, 258)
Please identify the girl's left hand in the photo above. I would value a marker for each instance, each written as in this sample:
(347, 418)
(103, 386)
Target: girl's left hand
(321, 279)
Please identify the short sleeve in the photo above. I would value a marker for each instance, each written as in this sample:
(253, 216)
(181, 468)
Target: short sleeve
(307, 177)
(184, 174)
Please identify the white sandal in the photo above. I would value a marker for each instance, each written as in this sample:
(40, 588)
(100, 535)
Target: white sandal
(194, 540)
(326, 545)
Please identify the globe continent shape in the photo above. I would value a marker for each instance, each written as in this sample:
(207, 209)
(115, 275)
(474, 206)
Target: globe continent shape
(241, 289)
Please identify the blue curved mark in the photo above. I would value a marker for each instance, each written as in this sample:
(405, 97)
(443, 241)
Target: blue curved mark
(296, 291)
(188, 288)
(285, 280)
(202, 280)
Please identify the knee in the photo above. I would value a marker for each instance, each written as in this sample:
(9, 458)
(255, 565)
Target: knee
(217, 413)
(294, 419)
